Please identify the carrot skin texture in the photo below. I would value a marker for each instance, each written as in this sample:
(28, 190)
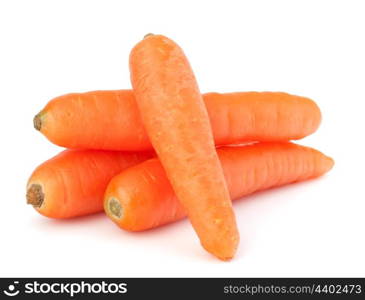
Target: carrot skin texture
(110, 120)
(261, 117)
(148, 200)
(106, 120)
(74, 181)
(177, 123)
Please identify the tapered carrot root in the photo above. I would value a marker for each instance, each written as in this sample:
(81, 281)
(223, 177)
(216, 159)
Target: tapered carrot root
(177, 123)
(142, 198)
(110, 120)
(73, 182)
(261, 116)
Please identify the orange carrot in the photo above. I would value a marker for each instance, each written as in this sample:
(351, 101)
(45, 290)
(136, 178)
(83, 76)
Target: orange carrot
(141, 197)
(177, 123)
(110, 120)
(73, 182)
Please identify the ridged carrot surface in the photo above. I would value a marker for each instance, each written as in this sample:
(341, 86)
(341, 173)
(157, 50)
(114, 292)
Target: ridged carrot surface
(110, 120)
(73, 182)
(142, 198)
(177, 123)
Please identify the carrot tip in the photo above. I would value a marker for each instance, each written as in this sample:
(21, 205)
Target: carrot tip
(37, 121)
(35, 195)
(147, 35)
(115, 208)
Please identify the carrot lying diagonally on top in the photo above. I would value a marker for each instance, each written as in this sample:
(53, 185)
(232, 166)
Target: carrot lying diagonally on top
(177, 123)
(110, 120)
(73, 182)
(142, 198)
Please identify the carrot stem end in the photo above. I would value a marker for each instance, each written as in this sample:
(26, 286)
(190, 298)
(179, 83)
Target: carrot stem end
(115, 208)
(35, 195)
(147, 35)
(37, 122)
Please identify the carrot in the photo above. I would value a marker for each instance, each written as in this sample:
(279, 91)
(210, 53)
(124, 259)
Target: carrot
(110, 120)
(73, 182)
(177, 123)
(141, 197)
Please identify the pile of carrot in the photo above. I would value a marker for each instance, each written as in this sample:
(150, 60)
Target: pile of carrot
(163, 151)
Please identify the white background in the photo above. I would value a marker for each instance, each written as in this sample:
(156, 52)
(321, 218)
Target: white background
(310, 48)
